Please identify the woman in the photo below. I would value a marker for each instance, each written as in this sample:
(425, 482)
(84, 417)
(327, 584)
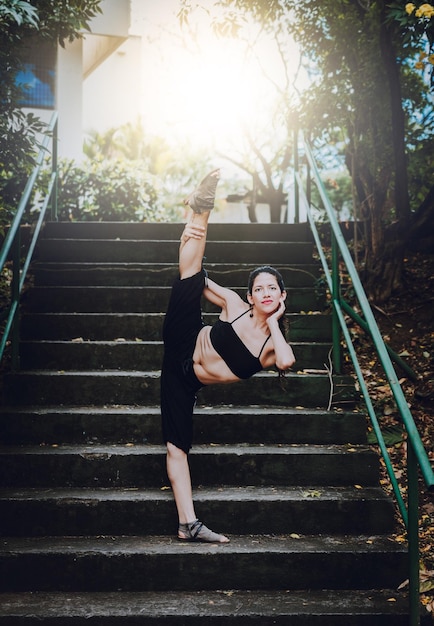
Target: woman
(246, 338)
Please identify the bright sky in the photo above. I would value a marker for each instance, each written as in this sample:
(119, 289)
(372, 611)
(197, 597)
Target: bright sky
(202, 90)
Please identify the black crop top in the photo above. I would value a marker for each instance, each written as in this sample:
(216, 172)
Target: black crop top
(233, 351)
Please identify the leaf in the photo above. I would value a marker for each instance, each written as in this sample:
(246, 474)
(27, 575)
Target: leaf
(391, 434)
(384, 389)
(427, 585)
(312, 493)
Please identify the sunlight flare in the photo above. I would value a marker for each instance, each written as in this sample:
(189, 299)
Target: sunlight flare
(210, 89)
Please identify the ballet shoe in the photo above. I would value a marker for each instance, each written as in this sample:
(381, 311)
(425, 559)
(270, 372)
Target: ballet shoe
(197, 531)
(201, 200)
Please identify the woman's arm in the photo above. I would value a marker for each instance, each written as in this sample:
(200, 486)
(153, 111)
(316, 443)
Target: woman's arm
(219, 295)
(284, 356)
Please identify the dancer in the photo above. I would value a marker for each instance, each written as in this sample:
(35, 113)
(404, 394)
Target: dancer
(246, 338)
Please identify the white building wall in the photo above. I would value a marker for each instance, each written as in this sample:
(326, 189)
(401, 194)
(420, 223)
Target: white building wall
(112, 94)
(70, 100)
(108, 31)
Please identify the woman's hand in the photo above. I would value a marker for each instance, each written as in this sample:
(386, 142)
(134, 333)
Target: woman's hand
(278, 312)
(192, 231)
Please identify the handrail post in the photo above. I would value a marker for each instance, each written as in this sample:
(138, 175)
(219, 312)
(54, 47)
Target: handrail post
(54, 171)
(15, 296)
(413, 535)
(296, 188)
(308, 182)
(308, 185)
(336, 296)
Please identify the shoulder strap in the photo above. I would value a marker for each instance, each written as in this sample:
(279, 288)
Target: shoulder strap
(243, 313)
(263, 346)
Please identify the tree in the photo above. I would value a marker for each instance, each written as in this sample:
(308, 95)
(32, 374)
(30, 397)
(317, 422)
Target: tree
(362, 85)
(20, 21)
(268, 170)
(416, 28)
(356, 54)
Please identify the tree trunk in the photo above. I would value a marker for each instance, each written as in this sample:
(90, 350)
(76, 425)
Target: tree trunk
(251, 209)
(275, 209)
(383, 271)
(421, 236)
(385, 246)
(384, 263)
(275, 199)
(402, 200)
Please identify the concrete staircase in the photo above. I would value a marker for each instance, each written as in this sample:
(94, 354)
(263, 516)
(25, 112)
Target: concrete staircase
(86, 515)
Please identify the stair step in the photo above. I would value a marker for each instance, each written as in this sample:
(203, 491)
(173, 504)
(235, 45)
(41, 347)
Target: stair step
(166, 251)
(173, 230)
(144, 465)
(218, 608)
(139, 563)
(92, 387)
(137, 299)
(158, 274)
(142, 424)
(325, 510)
(148, 326)
(124, 355)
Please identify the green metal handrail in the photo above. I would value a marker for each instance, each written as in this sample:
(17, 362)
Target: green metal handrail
(416, 453)
(11, 249)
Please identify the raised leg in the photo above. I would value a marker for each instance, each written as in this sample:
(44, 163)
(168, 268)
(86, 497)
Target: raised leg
(192, 247)
(193, 239)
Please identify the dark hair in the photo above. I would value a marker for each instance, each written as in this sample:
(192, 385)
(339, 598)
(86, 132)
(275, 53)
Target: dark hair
(265, 269)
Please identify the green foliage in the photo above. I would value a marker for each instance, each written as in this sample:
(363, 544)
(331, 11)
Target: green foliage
(338, 187)
(65, 21)
(414, 20)
(18, 12)
(108, 190)
(20, 133)
(416, 26)
(17, 130)
(176, 168)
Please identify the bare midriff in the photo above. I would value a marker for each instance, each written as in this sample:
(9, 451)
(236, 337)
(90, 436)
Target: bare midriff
(209, 367)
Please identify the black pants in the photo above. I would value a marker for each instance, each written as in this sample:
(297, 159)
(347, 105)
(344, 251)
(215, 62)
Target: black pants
(179, 383)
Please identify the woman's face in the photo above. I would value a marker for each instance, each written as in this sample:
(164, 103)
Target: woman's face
(266, 293)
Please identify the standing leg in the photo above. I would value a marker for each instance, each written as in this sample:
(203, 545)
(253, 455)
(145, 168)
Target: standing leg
(189, 528)
(178, 472)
